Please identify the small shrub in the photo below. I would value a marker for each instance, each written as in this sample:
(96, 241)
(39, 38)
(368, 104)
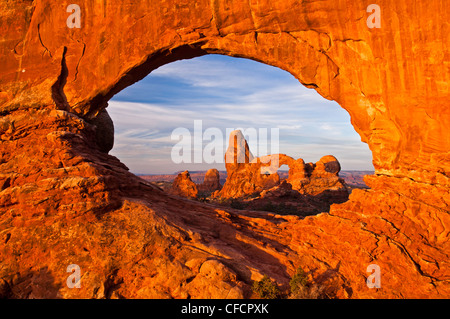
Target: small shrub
(269, 207)
(202, 197)
(301, 288)
(281, 208)
(266, 288)
(237, 204)
(298, 282)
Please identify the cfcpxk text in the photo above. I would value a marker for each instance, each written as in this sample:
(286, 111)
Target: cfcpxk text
(229, 308)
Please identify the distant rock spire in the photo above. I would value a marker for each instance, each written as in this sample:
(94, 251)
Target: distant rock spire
(238, 150)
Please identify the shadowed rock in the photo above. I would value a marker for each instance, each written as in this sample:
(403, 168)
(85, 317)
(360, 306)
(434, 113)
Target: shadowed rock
(211, 182)
(104, 131)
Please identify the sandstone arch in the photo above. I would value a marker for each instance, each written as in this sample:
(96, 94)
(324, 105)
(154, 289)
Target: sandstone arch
(393, 81)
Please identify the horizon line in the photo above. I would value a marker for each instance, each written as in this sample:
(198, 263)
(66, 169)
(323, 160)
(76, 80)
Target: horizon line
(224, 171)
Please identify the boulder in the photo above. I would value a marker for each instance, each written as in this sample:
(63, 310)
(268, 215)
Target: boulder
(211, 182)
(104, 131)
(184, 186)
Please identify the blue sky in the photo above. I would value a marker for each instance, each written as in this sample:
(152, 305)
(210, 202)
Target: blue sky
(226, 92)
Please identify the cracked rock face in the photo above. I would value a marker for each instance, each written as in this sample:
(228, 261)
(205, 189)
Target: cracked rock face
(64, 201)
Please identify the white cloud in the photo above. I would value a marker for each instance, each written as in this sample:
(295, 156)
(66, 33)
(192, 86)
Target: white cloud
(290, 127)
(327, 127)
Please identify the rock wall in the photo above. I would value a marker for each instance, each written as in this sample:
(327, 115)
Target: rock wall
(64, 201)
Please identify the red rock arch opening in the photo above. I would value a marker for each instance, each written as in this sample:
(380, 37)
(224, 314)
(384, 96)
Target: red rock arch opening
(313, 188)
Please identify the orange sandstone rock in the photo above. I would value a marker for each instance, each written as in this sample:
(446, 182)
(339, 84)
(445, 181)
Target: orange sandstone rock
(250, 176)
(211, 182)
(244, 175)
(184, 186)
(63, 200)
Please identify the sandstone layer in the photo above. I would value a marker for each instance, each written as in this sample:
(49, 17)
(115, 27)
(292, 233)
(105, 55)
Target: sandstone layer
(64, 201)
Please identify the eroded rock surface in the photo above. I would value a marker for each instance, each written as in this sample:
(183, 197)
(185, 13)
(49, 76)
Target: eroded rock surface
(64, 201)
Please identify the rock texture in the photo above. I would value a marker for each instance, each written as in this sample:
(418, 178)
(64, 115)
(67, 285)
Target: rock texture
(244, 175)
(184, 186)
(64, 201)
(248, 177)
(320, 180)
